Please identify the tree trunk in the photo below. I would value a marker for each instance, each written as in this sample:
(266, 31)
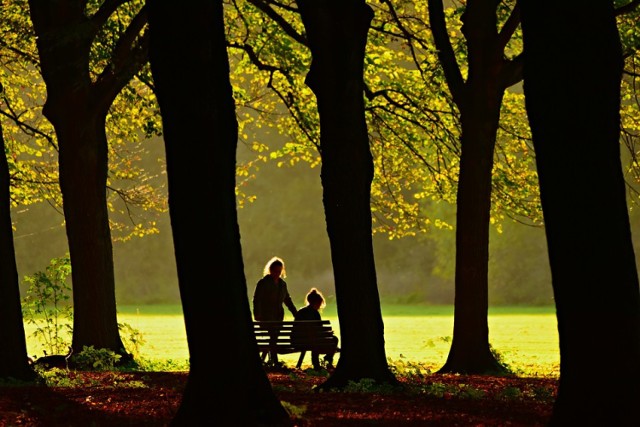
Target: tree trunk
(470, 352)
(479, 100)
(337, 34)
(190, 66)
(77, 108)
(592, 261)
(13, 357)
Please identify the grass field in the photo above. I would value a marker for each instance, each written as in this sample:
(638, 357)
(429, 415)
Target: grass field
(525, 337)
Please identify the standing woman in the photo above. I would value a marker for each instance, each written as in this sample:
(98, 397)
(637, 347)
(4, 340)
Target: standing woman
(270, 295)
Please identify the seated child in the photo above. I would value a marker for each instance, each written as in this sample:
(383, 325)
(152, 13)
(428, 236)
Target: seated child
(315, 302)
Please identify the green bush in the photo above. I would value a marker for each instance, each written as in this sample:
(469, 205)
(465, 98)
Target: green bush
(95, 359)
(46, 305)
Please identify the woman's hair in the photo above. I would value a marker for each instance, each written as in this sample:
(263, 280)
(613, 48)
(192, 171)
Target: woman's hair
(274, 261)
(315, 296)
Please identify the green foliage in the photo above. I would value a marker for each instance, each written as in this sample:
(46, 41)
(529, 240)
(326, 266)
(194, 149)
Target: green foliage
(161, 365)
(442, 390)
(134, 191)
(95, 359)
(511, 393)
(293, 410)
(436, 389)
(544, 394)
(369, 385)
(46, 305)
(408, 369)
(57, 377)
(132, 339)
(500, 359)
(322, 372)
(469, 392)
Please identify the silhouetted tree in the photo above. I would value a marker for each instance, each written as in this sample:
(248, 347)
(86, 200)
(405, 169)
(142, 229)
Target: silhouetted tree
(190, 67)
(576, 138)
(13, 357)
(337, 36)
(77, 105)
(479, 100)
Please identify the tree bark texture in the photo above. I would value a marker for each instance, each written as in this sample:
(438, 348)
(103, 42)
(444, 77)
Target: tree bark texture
(575, 120)
(337, 36)
(190, 67)
(77, 108)
(13, 357)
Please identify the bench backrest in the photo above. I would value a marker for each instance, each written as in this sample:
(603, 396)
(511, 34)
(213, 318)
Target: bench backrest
(294, 335)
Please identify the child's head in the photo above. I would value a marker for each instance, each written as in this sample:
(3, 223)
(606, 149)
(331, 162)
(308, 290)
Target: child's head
(315, 299)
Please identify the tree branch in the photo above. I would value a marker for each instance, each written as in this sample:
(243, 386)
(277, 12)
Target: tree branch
(629, 7)
(277, 18)
(509, 27)
(445, 51)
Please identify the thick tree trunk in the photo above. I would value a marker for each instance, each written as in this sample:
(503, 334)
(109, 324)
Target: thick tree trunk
(83, 181)
(13, 357)
(479, 100)
(77, 108)
(470, 352)
(226, 386)
(337, 34)
(575, 120)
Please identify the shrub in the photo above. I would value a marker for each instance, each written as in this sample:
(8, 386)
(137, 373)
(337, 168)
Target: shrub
(46, 305)
(92, 359)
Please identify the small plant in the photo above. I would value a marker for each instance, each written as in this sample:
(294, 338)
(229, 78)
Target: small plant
(93, 359)
(369, 385)
(442, 390)
(511, 393)
(293, 410)
(500, 359)
(544, 394)
(132, 339)
(437, 389)
(57, 377)
(46, 305)
(468, 392)
(164, 365)
(408, 369)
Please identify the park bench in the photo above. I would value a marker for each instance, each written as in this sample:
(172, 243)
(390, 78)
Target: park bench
(293, 336)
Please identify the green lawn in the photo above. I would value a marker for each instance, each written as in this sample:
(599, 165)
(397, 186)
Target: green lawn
(525, 337)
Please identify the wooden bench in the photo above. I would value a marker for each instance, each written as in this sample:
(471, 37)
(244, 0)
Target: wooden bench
(293, 336)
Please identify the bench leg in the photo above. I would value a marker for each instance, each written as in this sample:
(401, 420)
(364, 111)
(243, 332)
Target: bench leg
(300, 359)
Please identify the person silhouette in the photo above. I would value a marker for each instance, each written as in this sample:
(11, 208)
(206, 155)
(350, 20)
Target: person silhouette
(269, 296)
(315, 303)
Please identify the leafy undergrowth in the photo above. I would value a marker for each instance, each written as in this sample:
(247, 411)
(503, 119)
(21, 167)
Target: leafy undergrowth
(152, 398)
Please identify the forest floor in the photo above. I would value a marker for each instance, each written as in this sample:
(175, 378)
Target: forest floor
(152, 398)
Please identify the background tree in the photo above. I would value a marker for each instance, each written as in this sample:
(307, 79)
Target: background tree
(191, 70)
(77, 105)
(13, 359)
(134, 195)
(595, 280)
(479, 100)
(337, 36)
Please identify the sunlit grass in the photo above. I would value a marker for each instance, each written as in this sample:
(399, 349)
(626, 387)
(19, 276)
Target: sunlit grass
(525, 337)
